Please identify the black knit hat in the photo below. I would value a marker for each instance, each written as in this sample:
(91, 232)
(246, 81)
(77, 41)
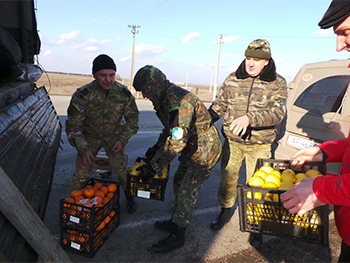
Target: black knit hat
(337, 11)
(103, 62)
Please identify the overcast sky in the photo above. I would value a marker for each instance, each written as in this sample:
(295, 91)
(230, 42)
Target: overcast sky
(180, 36)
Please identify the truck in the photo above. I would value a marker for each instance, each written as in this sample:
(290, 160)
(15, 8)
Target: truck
(318, 108)
(30, 131)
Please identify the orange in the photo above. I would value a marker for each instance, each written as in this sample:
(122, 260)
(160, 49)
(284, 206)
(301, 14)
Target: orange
(112, 188)
(88, 186)
(111, 214)
(98, 185)
(101, 226)
(110, 195)
(78, 198)
(89, 192)
(106, 200)
(76, 193)
(104, 189)
(69, 200)
(107, 220)
(100, 194)
(99, 200)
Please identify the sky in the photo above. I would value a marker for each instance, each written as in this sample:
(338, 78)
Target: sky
(181, 37)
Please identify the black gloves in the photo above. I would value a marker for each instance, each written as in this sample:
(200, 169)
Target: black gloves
(151, 152)
(146, 172)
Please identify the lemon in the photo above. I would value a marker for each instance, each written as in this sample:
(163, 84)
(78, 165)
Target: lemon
(312, 173)
(269, 185)
(277, 173)
(287, 177)
(274, 179)
(286, 186)
(275, 198)
(288, 171)
(260, 173)
(267, 169)
(300, 176)
(315, 175)
(256, 181)
(257, 195)
(299, 180)
(267, 198)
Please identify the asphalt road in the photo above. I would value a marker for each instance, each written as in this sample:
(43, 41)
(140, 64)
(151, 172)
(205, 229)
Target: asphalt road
(130, 242)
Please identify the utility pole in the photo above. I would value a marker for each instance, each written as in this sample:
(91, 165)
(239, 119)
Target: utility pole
(134, 31)
(217, 66)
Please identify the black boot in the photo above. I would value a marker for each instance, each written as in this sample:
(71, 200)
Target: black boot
(175, 240)
(130, 203)
(222, 219)
(168, 225)
(255, 239)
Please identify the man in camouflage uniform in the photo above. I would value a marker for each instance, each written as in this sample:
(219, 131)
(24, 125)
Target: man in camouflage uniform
(102, 114)
(188, 131)
(253, 101)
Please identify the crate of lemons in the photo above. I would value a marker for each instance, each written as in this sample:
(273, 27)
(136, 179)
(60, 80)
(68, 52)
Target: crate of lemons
(264, 189)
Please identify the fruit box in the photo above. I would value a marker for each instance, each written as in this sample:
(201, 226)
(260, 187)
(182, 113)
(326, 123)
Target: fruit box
(262, 215)
(88, 243)
(151, 189)
(80, 217)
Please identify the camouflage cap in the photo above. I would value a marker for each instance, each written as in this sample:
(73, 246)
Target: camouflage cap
(258, 48)
(337, 11)
(147, 75)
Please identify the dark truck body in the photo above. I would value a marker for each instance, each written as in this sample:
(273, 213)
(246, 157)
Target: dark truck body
(30, 129)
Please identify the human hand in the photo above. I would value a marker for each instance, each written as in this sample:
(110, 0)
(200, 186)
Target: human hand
(118, 146)
(240, 125)
(301, 198)
(313, 154)
(146, 172)
(88, 158)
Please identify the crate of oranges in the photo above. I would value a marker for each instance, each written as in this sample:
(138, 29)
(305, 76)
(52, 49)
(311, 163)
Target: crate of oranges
(86, 208)
(261, 210)
(151, 189)
(88, 243)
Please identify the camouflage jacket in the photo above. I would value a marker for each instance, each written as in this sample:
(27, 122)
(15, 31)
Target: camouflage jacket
(262, 99)
(95, 113)
(198, 142)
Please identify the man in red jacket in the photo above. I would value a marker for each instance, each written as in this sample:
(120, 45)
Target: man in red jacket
(328, 189)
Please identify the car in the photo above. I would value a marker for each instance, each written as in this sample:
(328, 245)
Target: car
(318, 108)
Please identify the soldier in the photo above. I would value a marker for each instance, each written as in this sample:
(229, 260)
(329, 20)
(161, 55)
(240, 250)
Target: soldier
(253, 101)
(188, 131)
(102, 114)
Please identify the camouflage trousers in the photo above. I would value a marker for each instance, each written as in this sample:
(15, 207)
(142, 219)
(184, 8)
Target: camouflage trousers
(119, 162)
(186, 187)
(233, 155)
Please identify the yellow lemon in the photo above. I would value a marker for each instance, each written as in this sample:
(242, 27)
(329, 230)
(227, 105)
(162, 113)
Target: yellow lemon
(256, 182)
(260, 173)
(300, 176)
(288, 171)
(269, 185)
(274, 179)
(312, 172)
(286, 186)
(315, 175)
(257, 195)
(275, 198)
(277, 173)
(267, 198)
(267, 169)
(287, 177)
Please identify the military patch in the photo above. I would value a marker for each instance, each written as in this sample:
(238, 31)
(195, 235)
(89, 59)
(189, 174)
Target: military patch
(177, 133)
(77, 105)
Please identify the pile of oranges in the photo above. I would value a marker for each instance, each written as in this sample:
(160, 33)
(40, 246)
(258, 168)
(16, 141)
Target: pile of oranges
(96, 195)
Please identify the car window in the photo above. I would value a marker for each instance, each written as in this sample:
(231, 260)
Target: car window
(324, 95)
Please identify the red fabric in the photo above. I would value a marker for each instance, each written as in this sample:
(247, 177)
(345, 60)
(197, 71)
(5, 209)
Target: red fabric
(334, 189)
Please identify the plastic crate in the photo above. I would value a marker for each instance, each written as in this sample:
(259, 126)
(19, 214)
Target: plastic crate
(88, 243)
(271, 218)
(80, 217)
(151, 189)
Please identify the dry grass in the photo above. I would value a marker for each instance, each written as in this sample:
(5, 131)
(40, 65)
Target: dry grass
(66, 84)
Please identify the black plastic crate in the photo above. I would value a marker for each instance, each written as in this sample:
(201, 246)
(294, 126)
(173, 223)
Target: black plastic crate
(87, 243)
(80, 217)
(150, 189)
(258, 214)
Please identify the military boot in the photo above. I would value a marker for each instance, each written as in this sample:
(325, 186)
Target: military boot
(222, 219)
(168, 225)
(131, 205)
(255, 239)
(175, 240)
